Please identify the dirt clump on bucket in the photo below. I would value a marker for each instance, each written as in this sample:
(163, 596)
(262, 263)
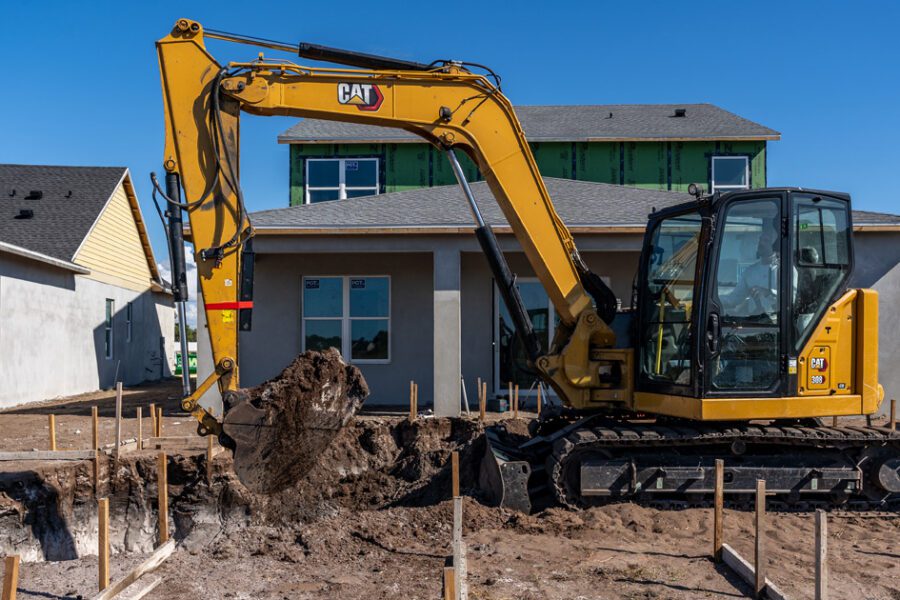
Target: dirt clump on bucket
(281, 428)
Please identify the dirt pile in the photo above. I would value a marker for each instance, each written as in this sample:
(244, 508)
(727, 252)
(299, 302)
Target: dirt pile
(376, 463)
(49, 512)
(280, 427)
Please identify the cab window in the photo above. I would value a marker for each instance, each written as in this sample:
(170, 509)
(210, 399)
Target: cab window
(746, 290)
(821, 253)
(669, 292)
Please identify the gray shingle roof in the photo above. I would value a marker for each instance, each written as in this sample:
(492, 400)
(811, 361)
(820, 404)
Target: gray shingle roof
(63, 216)
(865, 217)
(579, 204)
(571, 124)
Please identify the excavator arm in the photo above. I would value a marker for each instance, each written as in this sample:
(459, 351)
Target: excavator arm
(445, 104)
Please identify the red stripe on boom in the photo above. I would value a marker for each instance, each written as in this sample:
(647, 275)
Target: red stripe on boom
(229, 305)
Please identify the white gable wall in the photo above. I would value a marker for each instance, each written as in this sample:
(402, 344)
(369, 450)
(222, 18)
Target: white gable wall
(52, 333)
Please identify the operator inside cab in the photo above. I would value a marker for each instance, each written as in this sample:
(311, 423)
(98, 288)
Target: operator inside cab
(756, 292)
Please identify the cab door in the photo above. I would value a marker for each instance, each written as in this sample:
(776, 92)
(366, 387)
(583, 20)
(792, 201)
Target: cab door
(671, 266)
(745, 297)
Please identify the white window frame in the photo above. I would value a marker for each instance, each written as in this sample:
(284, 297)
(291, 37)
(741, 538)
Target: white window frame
(109, 329)
(726, 188)
(347, 320)
(129, 316)
(342, 187)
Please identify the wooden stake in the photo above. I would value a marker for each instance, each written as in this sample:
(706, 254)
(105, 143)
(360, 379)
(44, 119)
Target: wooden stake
(209, 458)
(118, 420)
(482, 400)
(10, 577)
(159, 422)
(449, 587)
(893, 414)
(103, 542)
(140, 428)
(718, 512)
(153, 421)
(454, 467)
(834, 421)
(457, 545)
(539, 402)
(760, 551)
(510, 404)
(52, 433)
(96, 473)
(821, 555)
(163, 485)
(516, 403)
(95, 424)
(413, 409)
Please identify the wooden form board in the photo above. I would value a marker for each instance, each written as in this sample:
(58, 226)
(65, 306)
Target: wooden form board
(151, 564)
(47, 455)
(745, 571)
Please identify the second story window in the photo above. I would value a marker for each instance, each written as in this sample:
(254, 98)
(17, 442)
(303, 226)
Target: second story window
(340, 178)
(730, 173)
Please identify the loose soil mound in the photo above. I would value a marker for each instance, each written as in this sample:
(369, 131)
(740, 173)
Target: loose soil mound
(376, 463)
(373, 463)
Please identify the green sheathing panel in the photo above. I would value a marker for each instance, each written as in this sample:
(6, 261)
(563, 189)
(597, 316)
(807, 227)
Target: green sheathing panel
(406, 167)
(690, 164)
(650, 165)
(554, 159)
(645, 165)
(692, 161)
(757, 153)
(442, 174)
(597, 161)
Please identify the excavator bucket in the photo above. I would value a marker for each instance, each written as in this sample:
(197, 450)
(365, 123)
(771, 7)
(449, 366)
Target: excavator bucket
(279, 429)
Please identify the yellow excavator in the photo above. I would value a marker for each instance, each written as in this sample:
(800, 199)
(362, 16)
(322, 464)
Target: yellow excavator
(720, 356)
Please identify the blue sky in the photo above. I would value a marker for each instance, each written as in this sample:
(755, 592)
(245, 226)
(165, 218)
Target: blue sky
(82, 85)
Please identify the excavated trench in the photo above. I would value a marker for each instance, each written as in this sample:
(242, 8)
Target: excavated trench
(48, 511)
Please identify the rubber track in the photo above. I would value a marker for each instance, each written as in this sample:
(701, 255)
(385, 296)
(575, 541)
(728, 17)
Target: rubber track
(648, 435)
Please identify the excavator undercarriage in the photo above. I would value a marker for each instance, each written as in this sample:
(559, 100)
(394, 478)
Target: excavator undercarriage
(671, 461)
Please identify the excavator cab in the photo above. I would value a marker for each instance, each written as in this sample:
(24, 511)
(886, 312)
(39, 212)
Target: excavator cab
(731, 287)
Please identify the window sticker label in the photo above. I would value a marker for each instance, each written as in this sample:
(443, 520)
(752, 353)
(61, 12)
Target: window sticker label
(312, 284)
(357, 284)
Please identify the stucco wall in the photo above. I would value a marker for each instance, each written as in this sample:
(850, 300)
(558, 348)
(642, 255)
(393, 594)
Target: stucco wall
(275, 338)
(283, 260)
(52, 333)
(878, 267)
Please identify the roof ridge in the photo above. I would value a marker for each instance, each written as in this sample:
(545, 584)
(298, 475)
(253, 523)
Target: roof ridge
(123, 168)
